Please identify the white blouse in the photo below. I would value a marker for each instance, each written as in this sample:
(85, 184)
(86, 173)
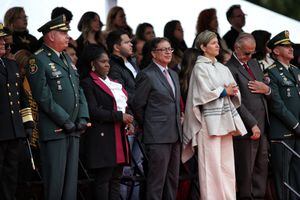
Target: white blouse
(116, 89)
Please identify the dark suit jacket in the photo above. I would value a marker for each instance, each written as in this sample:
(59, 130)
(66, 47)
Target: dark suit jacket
(99, 140)
(155, 106)
(12, 100)
(285, 104)
(253, 109)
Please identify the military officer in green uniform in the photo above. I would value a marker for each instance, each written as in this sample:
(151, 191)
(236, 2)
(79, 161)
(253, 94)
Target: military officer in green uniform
(285, 115)
(63, 111)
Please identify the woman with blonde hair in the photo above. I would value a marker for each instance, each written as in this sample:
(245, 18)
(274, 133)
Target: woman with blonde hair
(116, 19)
(15, 19)
(211, 120)
(90, 27)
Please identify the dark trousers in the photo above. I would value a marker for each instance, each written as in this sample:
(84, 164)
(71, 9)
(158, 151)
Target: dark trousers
(60, 168)
(285, 167)
(163, 171)
(9, 157)
(251, 166)
(107, 183)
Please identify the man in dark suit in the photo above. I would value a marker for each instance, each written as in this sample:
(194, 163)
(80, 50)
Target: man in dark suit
(285, 115)
(157, 109)
(251, 152)
(63, 111)
(16, 122)
(237, 20)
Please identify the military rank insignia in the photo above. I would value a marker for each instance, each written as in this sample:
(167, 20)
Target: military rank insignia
(32, 66)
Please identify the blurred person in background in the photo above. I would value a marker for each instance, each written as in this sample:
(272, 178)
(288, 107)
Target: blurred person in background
(15, 19)
(208, 20)
(262, 52)
(174, 32)
(90, 27)
(237, 18)
(187, 65)
(116, 20)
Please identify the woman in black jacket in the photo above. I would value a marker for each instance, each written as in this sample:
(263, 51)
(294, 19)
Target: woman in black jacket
(105, 146)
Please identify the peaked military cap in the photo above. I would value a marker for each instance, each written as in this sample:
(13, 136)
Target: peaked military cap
(2, 31)
(281, 38)
(58, 23)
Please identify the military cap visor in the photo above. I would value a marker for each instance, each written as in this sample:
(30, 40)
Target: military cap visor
(2, 31)
(280, 39)
(58, 24)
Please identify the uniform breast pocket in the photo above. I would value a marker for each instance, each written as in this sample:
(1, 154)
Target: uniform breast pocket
(57, 80)
(288, 90)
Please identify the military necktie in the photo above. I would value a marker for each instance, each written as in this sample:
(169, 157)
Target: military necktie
(62, 57)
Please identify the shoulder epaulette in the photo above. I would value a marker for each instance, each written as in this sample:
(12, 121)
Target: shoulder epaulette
(293, 66)
(272, 66)
(38, 51)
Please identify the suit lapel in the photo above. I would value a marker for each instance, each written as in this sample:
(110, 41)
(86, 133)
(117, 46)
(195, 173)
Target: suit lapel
(176, 88)
(241, 68)
(163, 79)
(102, 85)
(2, 69)
(255, 67)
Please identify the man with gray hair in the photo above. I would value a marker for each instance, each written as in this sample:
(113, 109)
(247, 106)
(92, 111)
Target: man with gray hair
(251, 161)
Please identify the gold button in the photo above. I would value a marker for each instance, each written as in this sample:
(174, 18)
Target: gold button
(16, 84)
(11, 103)
(12, 112)
(9, 94)
(19, 102)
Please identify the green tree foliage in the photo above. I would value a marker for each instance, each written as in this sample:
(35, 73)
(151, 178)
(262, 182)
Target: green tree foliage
(289, 8)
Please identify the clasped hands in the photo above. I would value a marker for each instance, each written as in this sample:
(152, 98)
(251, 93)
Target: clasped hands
(231, 89)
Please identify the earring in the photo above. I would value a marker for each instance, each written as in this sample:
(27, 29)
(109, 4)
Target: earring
(93, 68)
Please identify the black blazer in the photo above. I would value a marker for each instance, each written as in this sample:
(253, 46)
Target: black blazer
(12, 100)
(99, 140)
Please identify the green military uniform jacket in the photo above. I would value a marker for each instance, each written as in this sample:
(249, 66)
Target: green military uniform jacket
(55, 87)
(285, 103)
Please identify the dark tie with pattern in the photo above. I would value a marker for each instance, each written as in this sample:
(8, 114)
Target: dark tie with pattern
(249, 71)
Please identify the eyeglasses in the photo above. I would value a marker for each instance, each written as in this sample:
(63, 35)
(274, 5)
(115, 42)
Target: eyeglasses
(165, 50)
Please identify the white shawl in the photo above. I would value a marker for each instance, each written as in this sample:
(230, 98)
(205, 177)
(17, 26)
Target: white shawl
(205, 110)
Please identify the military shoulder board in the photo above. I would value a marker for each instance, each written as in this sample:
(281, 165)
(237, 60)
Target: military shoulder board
(38, 51)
